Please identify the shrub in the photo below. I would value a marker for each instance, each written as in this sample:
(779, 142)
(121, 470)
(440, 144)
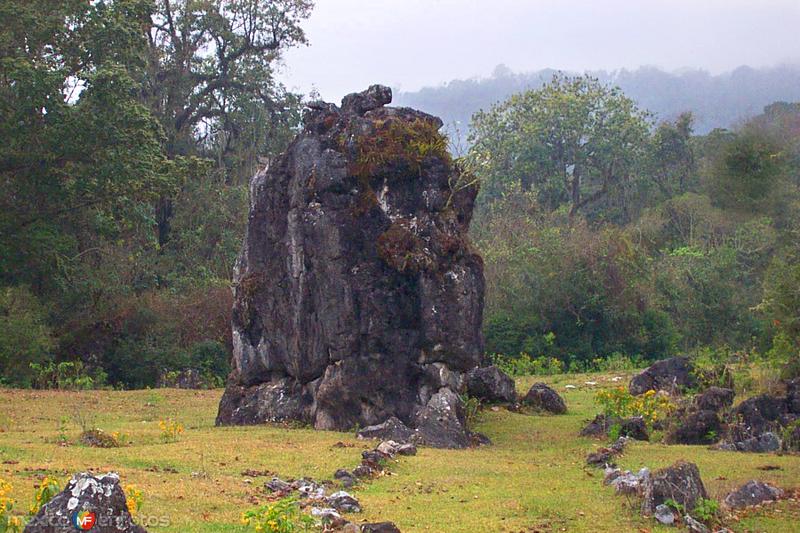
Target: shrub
(68, 375)
(134, 499)
(707, 511)
(472, 409)
(283, 516)
(525, 365)
(8, 522)
(170, 430)
(619, 403)
(47, 490)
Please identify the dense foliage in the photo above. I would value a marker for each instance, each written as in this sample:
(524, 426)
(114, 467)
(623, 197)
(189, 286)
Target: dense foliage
(692, 243)
(129, 128)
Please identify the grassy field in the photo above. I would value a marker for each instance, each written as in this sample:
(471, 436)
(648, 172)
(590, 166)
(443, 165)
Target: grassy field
(532, 479)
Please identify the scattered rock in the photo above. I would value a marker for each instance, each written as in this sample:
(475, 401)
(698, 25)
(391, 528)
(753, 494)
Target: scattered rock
(388, 448)
(407, 449)
(671, 375)
(603, 457)
(764, 443)
(380, 527)
(278, 485)
(344, 502)
(491, 385)
(325, 514)
(357, 296)
(752, 493)
(391, 429)
(101, 495)
(680, 482)
(693, 526)
(664, 515)
(713, 399)
(599, 426)
(347, 479)
(628, 483)
(544, 398)
(364, 471)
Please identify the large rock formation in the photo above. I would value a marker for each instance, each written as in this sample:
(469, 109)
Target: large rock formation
(357, 294)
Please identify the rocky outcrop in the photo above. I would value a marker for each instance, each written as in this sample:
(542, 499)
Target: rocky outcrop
(672, 375)
(87, 499)
(543, 398)
(491, 385)
(358, 296)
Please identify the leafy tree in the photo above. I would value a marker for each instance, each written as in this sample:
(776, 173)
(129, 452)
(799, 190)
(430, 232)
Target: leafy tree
(573, 142)
(671, 161)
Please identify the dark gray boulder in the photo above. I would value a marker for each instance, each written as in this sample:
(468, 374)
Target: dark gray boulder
(101, 495)
(696, 427)
(491, 385)
(673, 375)
(543, 398)
(380, 527)
(713, 399)
(599, 426)
(793, 396)
(680, 482)
(357, 295)
(635, 428)
(752, 493)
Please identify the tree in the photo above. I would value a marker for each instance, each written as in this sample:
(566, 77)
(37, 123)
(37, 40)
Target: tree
(671, 158)
(573, 142)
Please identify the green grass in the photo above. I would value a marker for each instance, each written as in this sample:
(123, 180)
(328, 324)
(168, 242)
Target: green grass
(532, 478)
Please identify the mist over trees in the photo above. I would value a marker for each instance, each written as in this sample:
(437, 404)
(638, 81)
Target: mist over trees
(715, 101)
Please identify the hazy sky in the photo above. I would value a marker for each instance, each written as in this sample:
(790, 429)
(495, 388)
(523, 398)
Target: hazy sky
(414, 43)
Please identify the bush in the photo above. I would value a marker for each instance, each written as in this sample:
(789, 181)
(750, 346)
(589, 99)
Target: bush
(69, 375)
(525, 365)
(618, 403)
(24, 335)
(283, 516)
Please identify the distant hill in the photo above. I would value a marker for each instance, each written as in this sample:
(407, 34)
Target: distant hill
(717, 101)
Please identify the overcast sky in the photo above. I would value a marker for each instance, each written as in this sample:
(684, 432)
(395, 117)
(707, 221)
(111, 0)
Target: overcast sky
(414, 43)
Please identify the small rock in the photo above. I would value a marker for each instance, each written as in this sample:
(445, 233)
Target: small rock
(278, 485)
(344, 502)
(442, 422)
(392, 429)
(599, 426)
(764, 443)
(380, 527)
(388, 447)
(544, 398)
(664, 515)
(325, 514)
(364, 471)
(700, 427)
(752, 493)
(407, 449)
(693, 526)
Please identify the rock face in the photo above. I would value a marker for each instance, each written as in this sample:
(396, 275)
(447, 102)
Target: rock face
(680, 482)
(102, 496)
(357, 294)
(544, 398)
(491, 385)
(671, 375)
(752, 493)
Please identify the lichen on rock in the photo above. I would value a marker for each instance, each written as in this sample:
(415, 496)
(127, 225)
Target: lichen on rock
(357, 294)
